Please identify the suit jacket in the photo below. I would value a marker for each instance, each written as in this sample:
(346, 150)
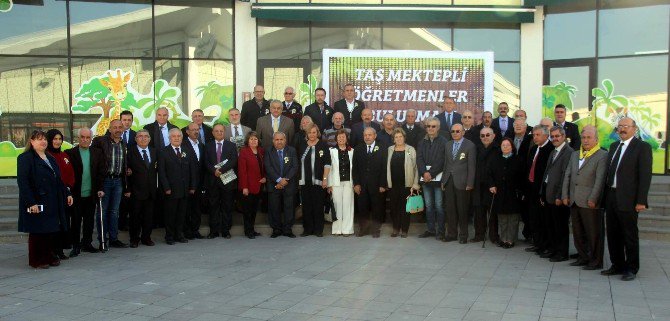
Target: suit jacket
(198, 160)
(176, 173)
(250, 171)
(585, 184)
(264, 130)
(131, 138)
(415, 135)
(229, 152)
(495, 125)
(455, 119)
(321, 119)
(410, 169)
(524, 148)
(251, 112)
(350, 118)
(369, 170)
(97, 169)
(357, 132)
(533, 188)
(572, 135)
(205, 128)
(104, 144)
(154, 132)
(289, 170)
(462, 167)
(228, 131)
(295, 112)
(142, 182)
(633, 176)
(555, 172)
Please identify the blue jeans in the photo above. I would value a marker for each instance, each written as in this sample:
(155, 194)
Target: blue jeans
(110, 204)
(432, 195)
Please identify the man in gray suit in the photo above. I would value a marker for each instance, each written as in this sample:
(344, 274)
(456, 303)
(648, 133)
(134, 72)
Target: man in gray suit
(557, 226)
(582, 191)
(235, 131)
(274, 122)
(458, 179)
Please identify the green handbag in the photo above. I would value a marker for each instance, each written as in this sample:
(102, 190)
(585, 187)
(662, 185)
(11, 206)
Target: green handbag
(414, 203)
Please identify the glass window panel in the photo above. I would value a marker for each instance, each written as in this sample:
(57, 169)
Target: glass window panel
(276, 79)
(34, 95)
(119, 29)
(283, 41)
(210, 88)
(505, 43)
(349, 1)
(282, 1)
(633, 31)
(204, 29)
(570, 35)
(365, 37)
(643, 81)
(417, 38)
(506, 83)
(488, 2)
(34, 29)
(577, 77)
(435, 2)
(170, 93)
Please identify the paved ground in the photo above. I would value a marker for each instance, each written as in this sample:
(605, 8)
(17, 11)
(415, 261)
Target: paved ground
(332, 278)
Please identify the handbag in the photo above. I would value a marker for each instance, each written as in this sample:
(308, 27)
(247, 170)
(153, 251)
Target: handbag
(414, 203)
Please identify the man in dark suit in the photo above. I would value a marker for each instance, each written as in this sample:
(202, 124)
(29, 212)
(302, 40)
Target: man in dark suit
(556, 218)
(358, 128)
(195, 202)
(481, 196)
(571, 129)
(350, 107)
(415, 132)
(536, 164)
(522, 144)
(255, 108)
(128, 137)
(159, 129)
(368, 172)
(385, 135)
(204, 131)
(502, 125)
(627, 188)
(319, 111)
(281, 167)
(178, 178)
(86, 190)
(274, 122)
(458, 180)
(220, 194)
(448, 117)
(292, 109)
(142, 162)
(520, 113)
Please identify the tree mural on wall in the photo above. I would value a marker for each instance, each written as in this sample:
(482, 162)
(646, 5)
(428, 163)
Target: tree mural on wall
(218, 97)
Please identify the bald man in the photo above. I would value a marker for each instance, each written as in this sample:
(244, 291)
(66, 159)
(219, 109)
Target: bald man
(255, 108)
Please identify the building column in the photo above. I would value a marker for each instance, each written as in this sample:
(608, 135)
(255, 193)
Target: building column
(532, 62)
(245, 51)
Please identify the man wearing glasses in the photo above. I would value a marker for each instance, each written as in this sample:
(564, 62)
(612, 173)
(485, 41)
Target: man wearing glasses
(503, 125)
(481, 200)
(292, 109)
(448, 117)
(255, 108)
(430, 162)
(349, 106)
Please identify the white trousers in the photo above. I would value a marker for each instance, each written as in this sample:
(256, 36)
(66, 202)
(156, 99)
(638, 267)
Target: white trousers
(343, 199)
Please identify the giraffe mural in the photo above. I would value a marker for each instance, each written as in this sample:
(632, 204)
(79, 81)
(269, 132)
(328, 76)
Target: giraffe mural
(117, 86)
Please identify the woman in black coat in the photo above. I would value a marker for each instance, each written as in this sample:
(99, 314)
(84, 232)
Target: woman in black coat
(314, 169)
(42, 200)
(503, 171)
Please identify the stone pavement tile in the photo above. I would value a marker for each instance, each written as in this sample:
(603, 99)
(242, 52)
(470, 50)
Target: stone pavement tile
(152, 311)
(452, 313)
(476, 315)
(369, 315)
(30, 316)
(520, 317)
(456, 302)
(488, 306)
(276, 304)
(422, 310)
(595, 316)
(559, 313)
(260, 313)
(350, 303)
(326, 318)
(61, 310)
(557, 319)
(306, 308)
(121, 307)
(398, 316)
(291, 316)
(523, 309)
(102, 315)
(624, 309)
(320, 299)
(336, 312)
(381, 306)
(293, 297)
(596, 307)
(211, 317)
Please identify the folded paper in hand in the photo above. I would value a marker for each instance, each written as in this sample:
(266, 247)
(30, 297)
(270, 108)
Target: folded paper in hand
(228, 176)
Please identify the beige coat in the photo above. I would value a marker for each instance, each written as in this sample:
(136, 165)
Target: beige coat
(411, 172)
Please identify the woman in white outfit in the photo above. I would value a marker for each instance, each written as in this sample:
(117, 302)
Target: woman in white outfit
(339, 185)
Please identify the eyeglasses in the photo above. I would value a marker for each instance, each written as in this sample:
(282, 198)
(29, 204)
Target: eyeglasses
(431, 126)
(466, 117)
(288, 93)
(484, 135)
(556, 136)
(455, 131)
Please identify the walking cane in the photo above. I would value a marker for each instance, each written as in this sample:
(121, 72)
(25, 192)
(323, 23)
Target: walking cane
(103, 245)
(488, 213)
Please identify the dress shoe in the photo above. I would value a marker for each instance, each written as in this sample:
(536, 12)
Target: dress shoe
(75, 251)
(463, 242)
(592, 267)
(628, 276)
(134, 244)
(251, 236)
(89, 248)
(547, 254)
(189, 236)
(148, 242)
(182, 240)
(448, 239)
(103, 248)
(579, 262)
(290, 235)
(531, 249)
(558, 258)
(55, 263)
(426, 234)
(198, 236)
(257, 234)
(118, 244)
(169, 242)
(212, 235)
(304, 234)
(403, 235)
(574, 256)
(375, 235)
(275, 234)
(347, 235)
(476, 240)
(361, 234)
(43, 266)
(319, 234)
(394, 234)
(62, 256)
(611, 271)
(226, 235)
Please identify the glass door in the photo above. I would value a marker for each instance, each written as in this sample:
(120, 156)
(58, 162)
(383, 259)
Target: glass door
(569, 83)
(276, 75)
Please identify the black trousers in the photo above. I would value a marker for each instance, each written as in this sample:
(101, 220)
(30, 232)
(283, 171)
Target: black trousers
(159, 209)
(536, 217)
(281, 209)
(249, 209)
(398, 206)
(457, 203)
(194, 212)
(84, 211)
(370, 209)
(623, 240)
(313, 199)
(125, 210)
(141, 219)
(175, 212)
(220, 208)
(587, 231)
(480, 213)
(527, 232)
(559, 229)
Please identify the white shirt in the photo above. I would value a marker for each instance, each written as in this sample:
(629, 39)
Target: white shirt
(232, 130)
(196, 147)
(350, 105)
(623, 150)
(140, 149)
(164, 132)
(370, 147)
(126, 136)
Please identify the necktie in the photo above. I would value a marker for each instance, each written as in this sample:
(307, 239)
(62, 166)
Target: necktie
(145, 157)
(503, 125)
(178, 153)
(531, 175)
(201, 137)
(218, 152)
(237, 133)
(553, 155)
(275, 124)
(517, 143)
(281, 162)
(125, 137)
(455, 149)
(448, 121)
(369, 149)
(614, 164)
(160, 134)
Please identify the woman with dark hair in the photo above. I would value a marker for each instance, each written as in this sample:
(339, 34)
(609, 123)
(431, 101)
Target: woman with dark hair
(42, 201)
(54, 142)
(503, 169)
(339, 184)
(314, 168)
(250, 181)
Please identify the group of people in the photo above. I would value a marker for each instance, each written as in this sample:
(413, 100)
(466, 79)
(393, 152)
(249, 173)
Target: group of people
(337, 160)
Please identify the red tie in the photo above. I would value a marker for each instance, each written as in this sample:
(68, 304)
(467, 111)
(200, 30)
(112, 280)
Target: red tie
(531, 176)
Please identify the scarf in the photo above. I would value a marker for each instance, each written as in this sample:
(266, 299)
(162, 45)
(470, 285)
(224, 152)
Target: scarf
(584, 155)
(51, 134)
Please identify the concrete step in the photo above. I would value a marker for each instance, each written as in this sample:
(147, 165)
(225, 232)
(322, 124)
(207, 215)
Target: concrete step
(653, 233)
(7, 211)
(653, 221)
(13, 237)
(9, 223)
(9, 199)
(8, 186)
(659, 197)
(659, 208)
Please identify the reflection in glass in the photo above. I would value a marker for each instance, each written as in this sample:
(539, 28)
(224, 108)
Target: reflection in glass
(633, 31)
(344, 38)
(210, 88)
(172, 71)
(279, 42)
(577, 77)
(34, 29)
(505, 43)
(277, 79)
(506, 85)
(417, 38)
(488, 2)
(570, 35)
